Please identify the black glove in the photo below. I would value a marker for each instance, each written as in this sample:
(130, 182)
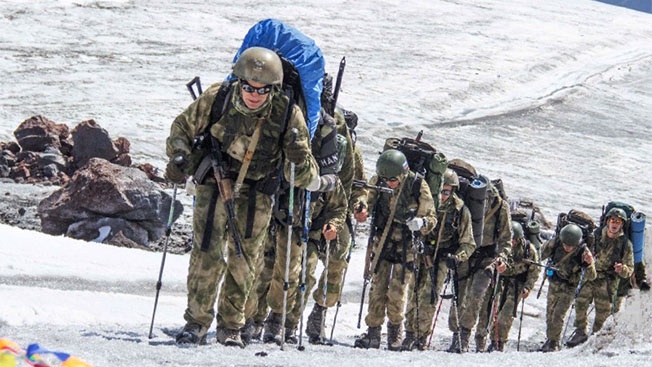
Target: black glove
(452, 261)
(174, 170)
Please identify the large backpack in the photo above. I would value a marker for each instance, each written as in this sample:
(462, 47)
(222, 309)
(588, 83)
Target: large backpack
(473, 191)
(582, 220)
(423, 160)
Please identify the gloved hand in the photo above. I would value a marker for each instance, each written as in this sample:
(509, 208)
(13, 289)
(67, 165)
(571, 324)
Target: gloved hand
(415, 223)
(174, 170)
(452, 261)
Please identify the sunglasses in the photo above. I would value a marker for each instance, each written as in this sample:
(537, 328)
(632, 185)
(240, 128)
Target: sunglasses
(389, 179)
(249, 89)
(614, 220)
(446, 192)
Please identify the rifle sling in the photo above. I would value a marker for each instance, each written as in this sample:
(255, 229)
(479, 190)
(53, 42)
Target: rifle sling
(246, 161)
(388, 225)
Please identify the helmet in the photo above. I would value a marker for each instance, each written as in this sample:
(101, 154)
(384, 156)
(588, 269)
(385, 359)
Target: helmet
(450, 178)
(571, 235)
(391, 163)
(517, 229)
(260, 65)
(618, 213)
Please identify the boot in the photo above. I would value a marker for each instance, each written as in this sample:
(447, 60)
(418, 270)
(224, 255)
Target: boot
(480, 344)
(496, 346)
(192, 333)
(409, 342)
(465, 335)
(273, 332)
(421, 343)
(371, 339)
(455, 344)
(291, 335)
(246, 333)
(578, 337)
(394, 337)
(550, 346)
(257, 332)
(315, 325)
(229, 337)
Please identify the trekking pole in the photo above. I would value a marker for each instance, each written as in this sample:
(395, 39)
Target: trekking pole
(520, 326)
(288, 247)
(455, 306)
(441, 300)
(494, 307)
(304, 259)
(168, 232)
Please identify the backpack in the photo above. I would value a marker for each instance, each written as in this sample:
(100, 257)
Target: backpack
(423, 159)
(634, 227)
(473, 191)
(531, 228)
(582, 220)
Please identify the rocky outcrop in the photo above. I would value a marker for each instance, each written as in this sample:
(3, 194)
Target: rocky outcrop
(108, 203)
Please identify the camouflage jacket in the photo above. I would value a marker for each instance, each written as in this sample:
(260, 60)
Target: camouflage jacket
(330, 207)
(524, 273)
(453, 230)
(569, 268)
(497, 232)
(234, 130)
(609, 251)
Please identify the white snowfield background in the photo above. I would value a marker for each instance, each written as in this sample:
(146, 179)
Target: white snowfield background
(552, 96)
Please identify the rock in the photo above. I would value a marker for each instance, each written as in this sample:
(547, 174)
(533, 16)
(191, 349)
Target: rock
(104, 194)
(37, 132)
(91, 141)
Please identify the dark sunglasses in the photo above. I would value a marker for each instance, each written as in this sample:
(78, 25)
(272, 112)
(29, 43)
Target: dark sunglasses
(389, 179)
(249, 89)
(446, 192)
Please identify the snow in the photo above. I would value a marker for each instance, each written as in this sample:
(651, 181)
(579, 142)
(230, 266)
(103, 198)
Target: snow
(552, 96)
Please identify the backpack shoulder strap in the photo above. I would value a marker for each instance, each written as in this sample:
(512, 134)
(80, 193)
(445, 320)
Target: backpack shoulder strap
(221, 102)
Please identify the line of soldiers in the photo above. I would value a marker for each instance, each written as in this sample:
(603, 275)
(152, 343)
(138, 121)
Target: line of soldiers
(271, 203)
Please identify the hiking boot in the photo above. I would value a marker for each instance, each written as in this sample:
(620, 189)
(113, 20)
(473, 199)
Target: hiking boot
(370, 339)
(257, 332)
(409, 341)
(394, 337)
(315, 324)
(644, 286)
(550, 346)
(455, 344)
(480, 344)
(229, 337)
(291, 335)
(496, 346)
(578, 337)
(422, 343)
(273, 332)
(192, 333)
(465, 335)
(246, 333)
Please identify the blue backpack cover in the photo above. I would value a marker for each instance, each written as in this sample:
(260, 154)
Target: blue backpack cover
(301, 51)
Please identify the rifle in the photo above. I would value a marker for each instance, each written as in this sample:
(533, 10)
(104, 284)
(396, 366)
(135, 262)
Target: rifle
(338, 84)
(548, 272)
(494, 301)
(546, 266)
(520, 325)
(577, 292)
(364, 184)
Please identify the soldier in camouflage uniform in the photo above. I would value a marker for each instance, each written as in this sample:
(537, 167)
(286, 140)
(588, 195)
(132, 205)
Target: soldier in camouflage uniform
(475, 275)
(324, 148)
(516, 280)
(390, 258)
(253, 106)
(614, 262)
(453, 235)
(573, 263)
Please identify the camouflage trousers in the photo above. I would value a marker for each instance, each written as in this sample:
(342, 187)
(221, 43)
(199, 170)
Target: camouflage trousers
(208, 266)
(473, 287)
(256, 307)
(421, 298)
(388, 294)
(601, 292)
(560, 299)
(508, 300)
(336, 264)
(276, 293)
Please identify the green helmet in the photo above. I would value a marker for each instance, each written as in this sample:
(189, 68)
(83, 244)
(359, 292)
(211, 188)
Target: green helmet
(517, 229)
(260, 65)
(618, 213)
(391, 163)
(450, 178)
(571, 235)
